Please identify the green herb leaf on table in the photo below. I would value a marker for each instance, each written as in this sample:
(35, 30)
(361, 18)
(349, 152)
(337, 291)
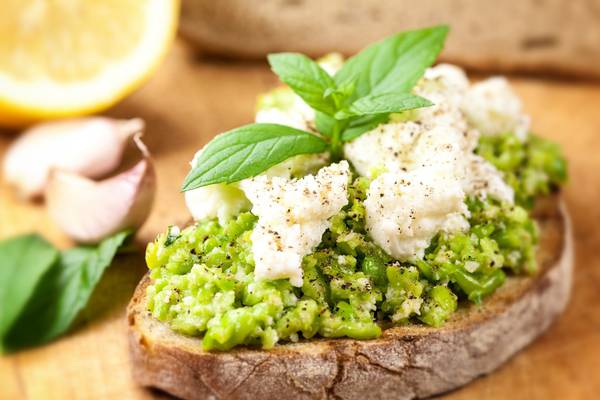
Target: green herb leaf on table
(394, 64)
(249, 150)
(61, 293)
(383, 103)
(311, 82)
(23, 262)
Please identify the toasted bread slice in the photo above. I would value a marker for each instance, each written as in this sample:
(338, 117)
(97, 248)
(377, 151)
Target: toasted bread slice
(406, 362)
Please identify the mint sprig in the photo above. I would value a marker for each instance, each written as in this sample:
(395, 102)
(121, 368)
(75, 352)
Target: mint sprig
(307, 79)
(249, 150)
(369, 87)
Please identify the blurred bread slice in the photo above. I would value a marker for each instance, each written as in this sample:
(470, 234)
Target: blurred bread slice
(551, 36)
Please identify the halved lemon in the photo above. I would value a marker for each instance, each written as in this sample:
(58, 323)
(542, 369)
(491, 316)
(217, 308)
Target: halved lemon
(63, 58)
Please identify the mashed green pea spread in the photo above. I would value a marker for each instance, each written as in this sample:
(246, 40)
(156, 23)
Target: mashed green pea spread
(204, 285)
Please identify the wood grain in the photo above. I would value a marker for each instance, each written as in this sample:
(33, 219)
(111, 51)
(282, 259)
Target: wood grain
(185, 104)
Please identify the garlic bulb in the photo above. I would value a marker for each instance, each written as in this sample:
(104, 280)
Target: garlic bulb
(91, 147)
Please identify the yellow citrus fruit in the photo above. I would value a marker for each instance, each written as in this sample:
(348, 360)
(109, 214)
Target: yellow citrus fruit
(62, 58)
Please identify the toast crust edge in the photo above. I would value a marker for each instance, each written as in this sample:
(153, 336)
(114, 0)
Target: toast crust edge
(407, 362)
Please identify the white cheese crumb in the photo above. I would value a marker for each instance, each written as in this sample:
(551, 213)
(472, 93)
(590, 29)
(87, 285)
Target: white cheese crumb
(423, 193)
(445, 85)
(387, 144)
(408, 308)
(216, 201)
(471, 266)
(485, 180)
(224, 201)
(493, 108)
(429, 169)
(292, 217)
(405, 210)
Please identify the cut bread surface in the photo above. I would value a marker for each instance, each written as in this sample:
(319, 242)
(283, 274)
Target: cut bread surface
(406, 362)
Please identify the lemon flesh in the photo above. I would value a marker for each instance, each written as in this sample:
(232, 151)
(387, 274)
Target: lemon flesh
(69, 57)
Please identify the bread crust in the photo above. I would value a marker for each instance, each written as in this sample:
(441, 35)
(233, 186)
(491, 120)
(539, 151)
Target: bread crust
(408, 362)
(555, 36)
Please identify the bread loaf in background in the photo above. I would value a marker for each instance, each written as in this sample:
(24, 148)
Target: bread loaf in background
(549, 36)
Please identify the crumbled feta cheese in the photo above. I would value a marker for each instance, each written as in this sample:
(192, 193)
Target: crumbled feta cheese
(471, 266)
(444, 82)
(216, 201)
(422, 192)
(447, 78)
(405, 210)
(441, 145)
(485, 180)
(292, 217)
(493, 108)
(445, 86)
(408, 308)
(429, 169)
(224, 201)
(387, 144)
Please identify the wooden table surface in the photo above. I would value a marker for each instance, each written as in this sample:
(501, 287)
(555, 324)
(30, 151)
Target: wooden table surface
(191, 99)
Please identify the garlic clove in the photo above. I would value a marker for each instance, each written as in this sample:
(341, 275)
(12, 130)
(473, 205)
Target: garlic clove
(91, 147)
(90, 211)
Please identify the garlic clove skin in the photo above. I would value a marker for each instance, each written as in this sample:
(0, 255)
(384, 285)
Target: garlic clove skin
(91, 147)
(89, 211)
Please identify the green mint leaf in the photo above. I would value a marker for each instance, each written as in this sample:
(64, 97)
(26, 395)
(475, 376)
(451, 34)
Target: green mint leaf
(249, 150)
(339, 94)
(383, 103)
(324, 123)
(62, 293)
(311, 82)
(330, 91)
(363, 124)
(23, 262)
(394, 64)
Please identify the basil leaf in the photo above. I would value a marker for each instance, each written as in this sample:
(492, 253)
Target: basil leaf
(363, 124)
(23, 262)
(311, 82)
(393, 65)
(62, 293)
(249, 150)
(383, 103)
